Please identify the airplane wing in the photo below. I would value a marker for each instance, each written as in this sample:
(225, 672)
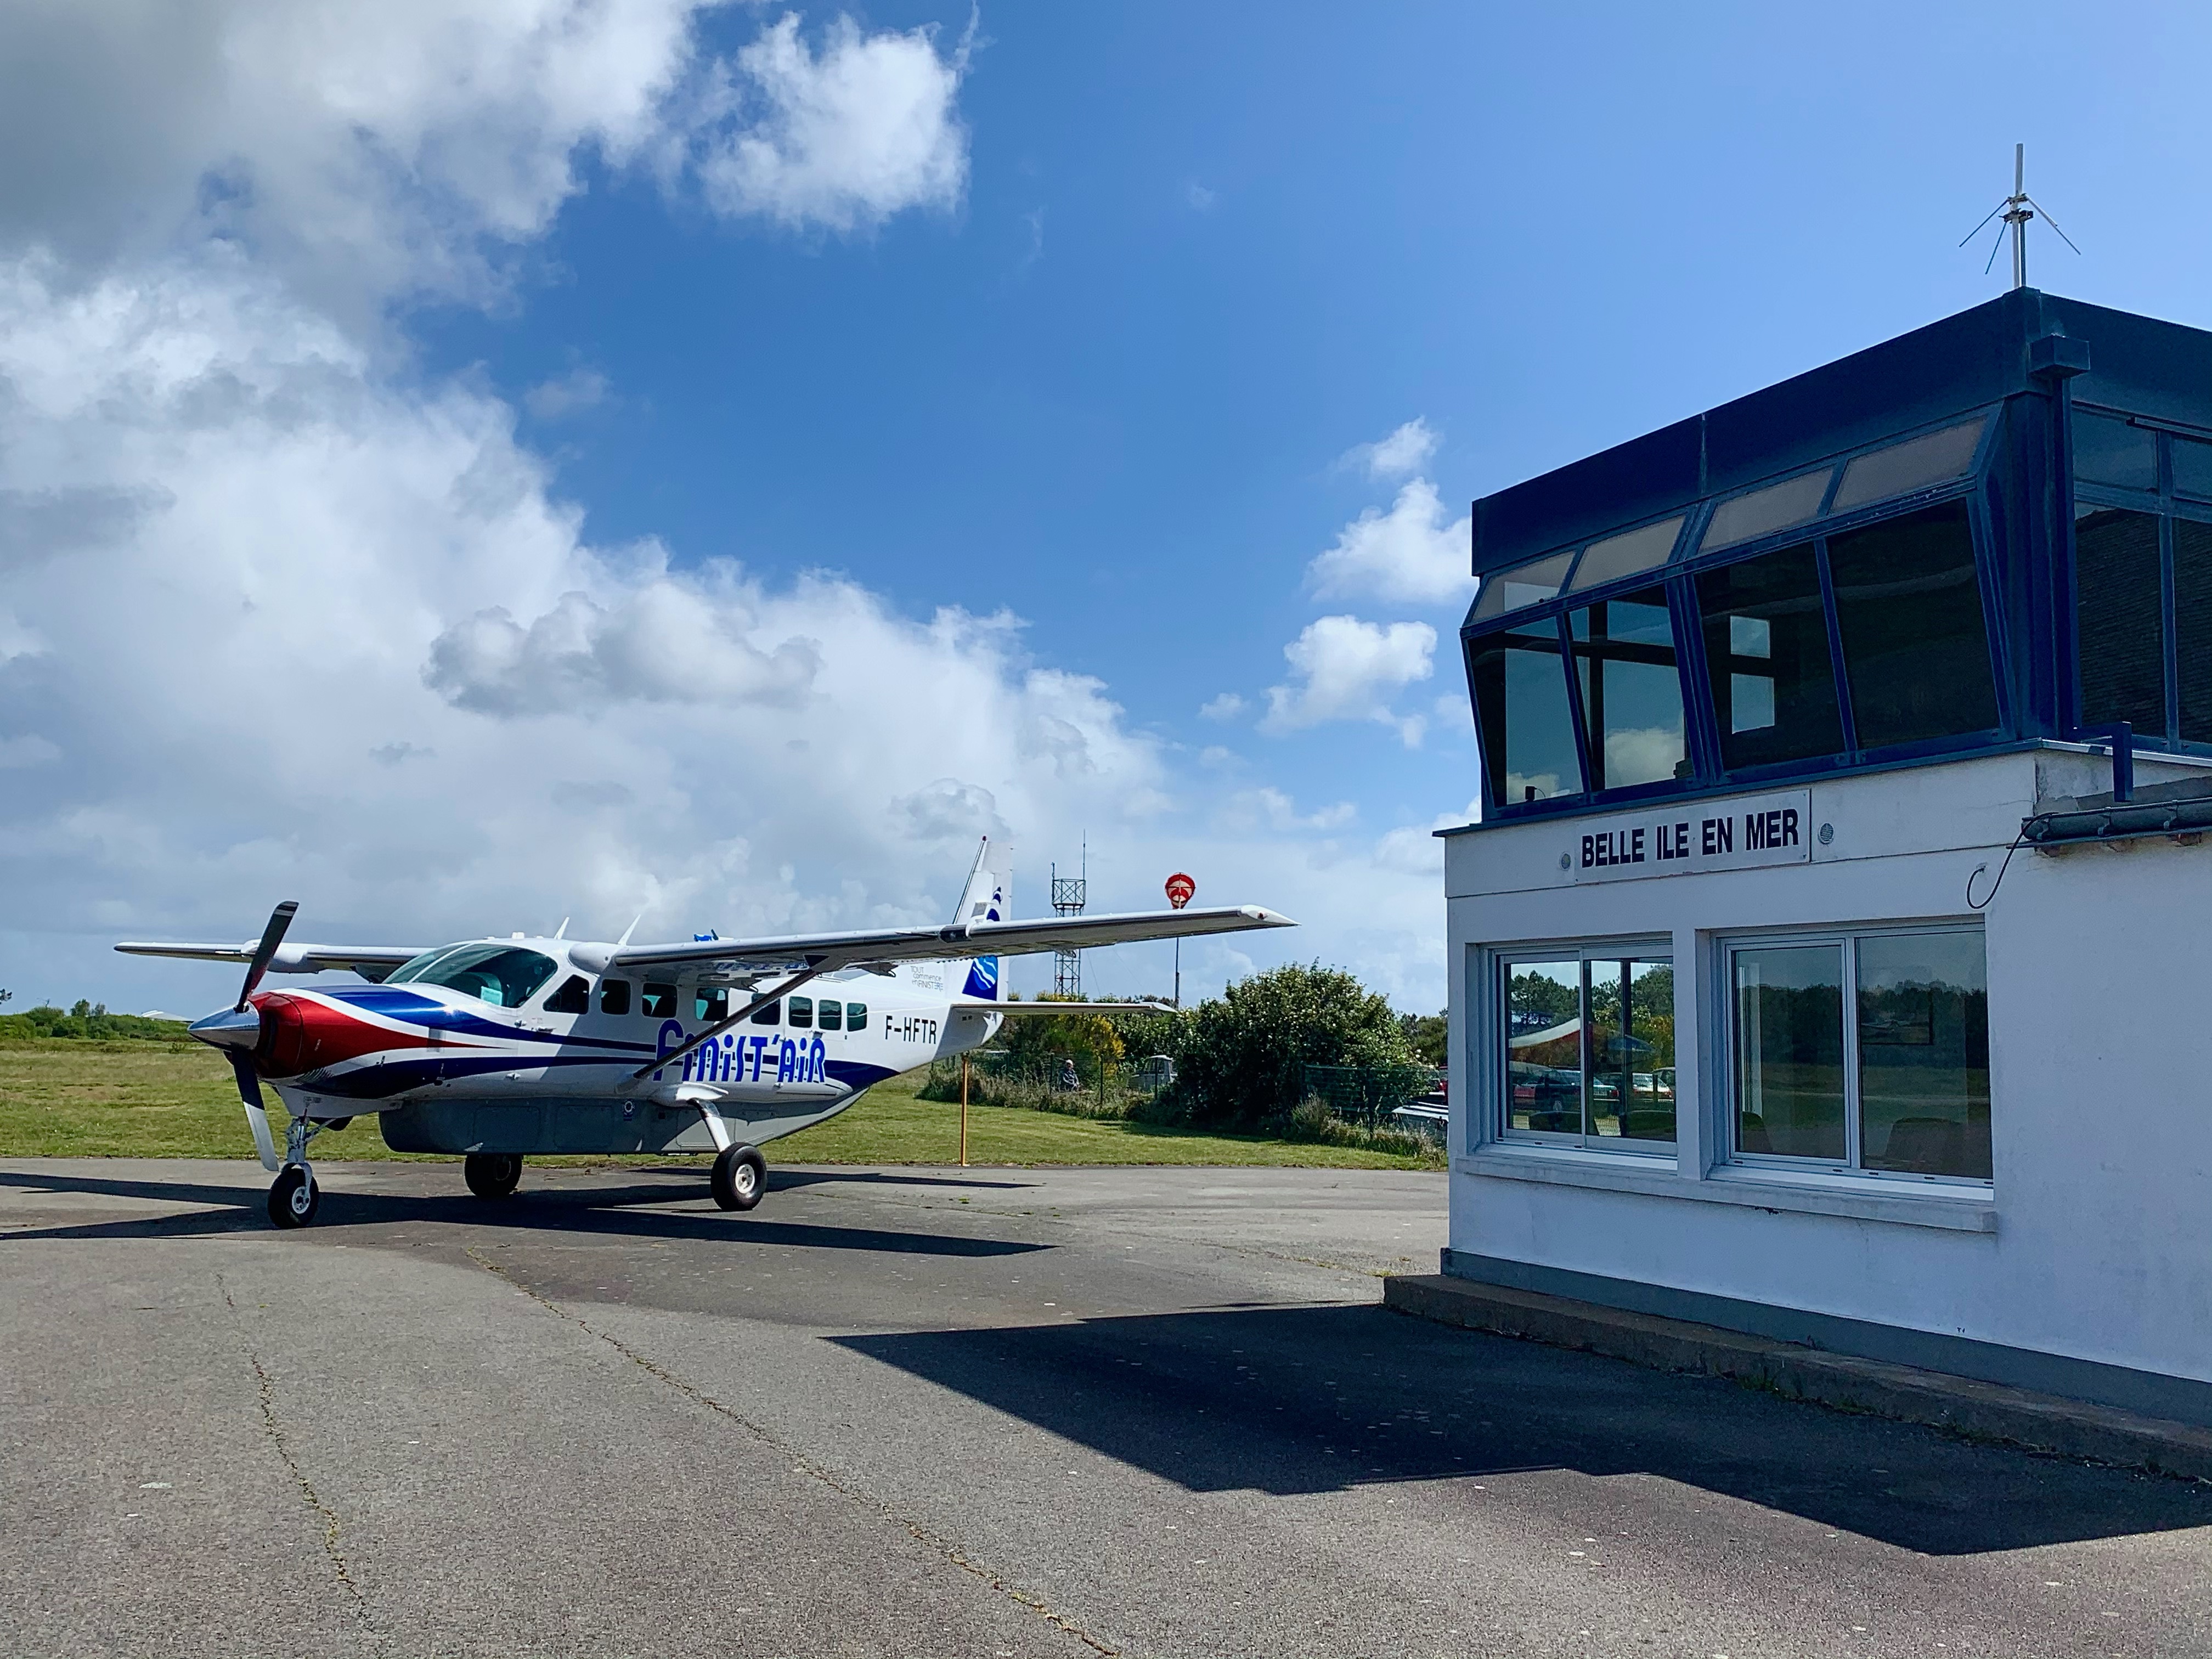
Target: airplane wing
(1068, 1008)
(371, 961)
(826, 952)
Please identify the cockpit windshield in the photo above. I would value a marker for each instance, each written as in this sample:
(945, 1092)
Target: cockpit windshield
(504, 976)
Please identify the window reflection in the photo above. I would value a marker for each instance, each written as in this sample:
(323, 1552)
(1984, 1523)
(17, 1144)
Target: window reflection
(1775, 507)
(1623, 555)
(1523, 585)
(1766, 658)
(1916, 463)
(1543, 1047)
(1909, 606)
(1923, 1033)
(1631, 693)
(1632, 1050)
(1788, 1016)
(2193, 467)
(2193, 626)
(2109, 452)
(2119, 619)
(1521, 698)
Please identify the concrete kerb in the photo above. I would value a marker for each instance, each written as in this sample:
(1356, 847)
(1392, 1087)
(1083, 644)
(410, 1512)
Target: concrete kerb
(1986, 1411)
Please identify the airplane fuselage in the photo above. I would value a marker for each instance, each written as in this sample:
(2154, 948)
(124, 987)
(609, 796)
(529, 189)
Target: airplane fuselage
(570, 1068)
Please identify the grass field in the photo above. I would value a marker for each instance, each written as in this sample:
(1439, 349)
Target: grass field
(66, 1099)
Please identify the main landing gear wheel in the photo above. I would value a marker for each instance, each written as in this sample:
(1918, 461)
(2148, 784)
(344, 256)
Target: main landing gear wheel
(740, 1177)
(294, 1199)
(492, 1174)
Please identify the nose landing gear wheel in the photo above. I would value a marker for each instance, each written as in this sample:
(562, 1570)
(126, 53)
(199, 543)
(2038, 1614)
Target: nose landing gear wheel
(492, 1174)
(294, 1198)
(740, 1177)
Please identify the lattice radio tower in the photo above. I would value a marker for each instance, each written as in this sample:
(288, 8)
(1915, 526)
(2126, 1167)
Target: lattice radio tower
(1068, 898)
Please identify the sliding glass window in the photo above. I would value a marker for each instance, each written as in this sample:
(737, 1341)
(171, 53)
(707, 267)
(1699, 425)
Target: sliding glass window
(1589, 1048)
(1865, 1050)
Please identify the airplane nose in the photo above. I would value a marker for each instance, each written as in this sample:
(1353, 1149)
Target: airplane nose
(234, 1029)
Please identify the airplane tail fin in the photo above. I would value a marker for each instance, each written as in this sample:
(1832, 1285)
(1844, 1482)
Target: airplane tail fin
(988, 897)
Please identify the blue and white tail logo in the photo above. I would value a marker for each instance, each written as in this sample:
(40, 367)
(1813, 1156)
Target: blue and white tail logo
(984, 899)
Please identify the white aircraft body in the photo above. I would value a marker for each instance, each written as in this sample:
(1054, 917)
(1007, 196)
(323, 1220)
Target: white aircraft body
(499, 1048)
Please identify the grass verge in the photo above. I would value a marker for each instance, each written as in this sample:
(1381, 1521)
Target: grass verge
(81, 1099)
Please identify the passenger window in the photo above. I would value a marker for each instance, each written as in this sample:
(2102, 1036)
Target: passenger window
(830, 1011)
(575, 997)
(1909, 606)
(712, 1005)
(802, 1011)
(767, 1014)
(2119, 619)
(1521, 698)
(660, 1001)
(856, 1015)
(614, 996)
(1766, 659)
(1632, 695)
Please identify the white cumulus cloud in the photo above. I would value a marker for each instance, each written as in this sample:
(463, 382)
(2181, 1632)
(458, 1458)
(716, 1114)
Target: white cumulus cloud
(842, 137)
(1405, 451)
(1410, 554)
(1344, 669)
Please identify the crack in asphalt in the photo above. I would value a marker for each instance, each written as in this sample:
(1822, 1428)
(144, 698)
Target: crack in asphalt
(266, 1394)
(803, 1464)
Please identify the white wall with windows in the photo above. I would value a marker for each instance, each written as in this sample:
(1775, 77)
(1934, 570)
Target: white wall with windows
(1811, 1075)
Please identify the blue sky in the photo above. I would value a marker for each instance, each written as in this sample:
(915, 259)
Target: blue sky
(1097, 349)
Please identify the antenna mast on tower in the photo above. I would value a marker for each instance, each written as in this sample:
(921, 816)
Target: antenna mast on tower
(2016, 209)
(1068, 898)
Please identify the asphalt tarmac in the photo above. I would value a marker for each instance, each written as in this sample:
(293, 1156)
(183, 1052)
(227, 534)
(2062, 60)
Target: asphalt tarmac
(913, 1412)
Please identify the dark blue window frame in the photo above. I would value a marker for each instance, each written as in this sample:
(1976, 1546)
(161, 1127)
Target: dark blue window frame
(1702, 742)
(2167, 507)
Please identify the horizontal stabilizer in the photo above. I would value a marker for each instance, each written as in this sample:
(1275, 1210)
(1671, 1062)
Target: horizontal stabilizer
(1072, 1007)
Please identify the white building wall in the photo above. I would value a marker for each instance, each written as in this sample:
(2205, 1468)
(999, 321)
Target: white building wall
(2093, 1240)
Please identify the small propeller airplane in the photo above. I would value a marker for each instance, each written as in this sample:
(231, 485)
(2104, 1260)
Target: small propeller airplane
(497, 1049)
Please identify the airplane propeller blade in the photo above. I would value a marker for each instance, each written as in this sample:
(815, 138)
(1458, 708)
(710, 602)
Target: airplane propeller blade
(280, 922)
(257, 1111)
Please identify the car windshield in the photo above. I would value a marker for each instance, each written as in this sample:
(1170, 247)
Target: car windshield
(505, 975)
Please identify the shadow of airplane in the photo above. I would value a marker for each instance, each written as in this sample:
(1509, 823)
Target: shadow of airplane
(601, 1211)
(1291, 1401)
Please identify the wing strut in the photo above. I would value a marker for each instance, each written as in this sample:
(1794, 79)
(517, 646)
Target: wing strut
(676, 1056)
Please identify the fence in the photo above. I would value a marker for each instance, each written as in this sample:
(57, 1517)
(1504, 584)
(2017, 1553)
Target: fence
(1368, 1095)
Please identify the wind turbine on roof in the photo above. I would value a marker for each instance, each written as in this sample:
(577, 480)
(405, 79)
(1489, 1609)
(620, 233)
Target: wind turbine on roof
(2016, 209)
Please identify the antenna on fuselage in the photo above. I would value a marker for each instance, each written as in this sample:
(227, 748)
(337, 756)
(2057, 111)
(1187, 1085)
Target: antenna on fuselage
(2016, 209)
(561, 932)
(627, 930)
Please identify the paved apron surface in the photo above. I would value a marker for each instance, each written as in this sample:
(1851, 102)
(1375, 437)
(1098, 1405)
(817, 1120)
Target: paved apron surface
(907, 1412)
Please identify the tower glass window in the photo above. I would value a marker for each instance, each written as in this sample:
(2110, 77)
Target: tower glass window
(2120, 617)
(1767, 659)
(1916, 648)
(1521, 697)
(1632, 690)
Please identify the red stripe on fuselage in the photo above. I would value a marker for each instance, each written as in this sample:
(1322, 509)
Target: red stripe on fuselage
(301, 1035)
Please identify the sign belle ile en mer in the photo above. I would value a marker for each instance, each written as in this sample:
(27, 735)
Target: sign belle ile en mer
(1669, 840)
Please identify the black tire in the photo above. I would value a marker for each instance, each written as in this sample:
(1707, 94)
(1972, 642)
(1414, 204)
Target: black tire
(294, 1199)
(492, 1174)
(740, 1177)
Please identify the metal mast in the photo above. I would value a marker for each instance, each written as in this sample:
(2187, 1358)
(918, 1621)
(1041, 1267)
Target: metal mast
(2016, 209)
(1068, 898)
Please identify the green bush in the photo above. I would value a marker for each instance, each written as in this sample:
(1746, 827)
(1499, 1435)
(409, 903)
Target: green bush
(90, 1022)
(1242, 1058)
